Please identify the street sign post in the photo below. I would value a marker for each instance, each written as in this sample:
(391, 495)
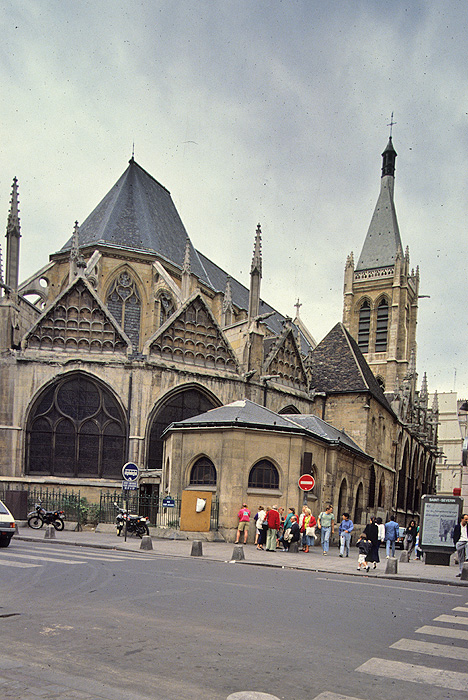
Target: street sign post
(130, 473)
(306, 482)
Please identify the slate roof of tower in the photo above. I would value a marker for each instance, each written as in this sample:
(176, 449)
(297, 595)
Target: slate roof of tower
(383, 236)
(138, 214)
(247, 414)
(338, 366)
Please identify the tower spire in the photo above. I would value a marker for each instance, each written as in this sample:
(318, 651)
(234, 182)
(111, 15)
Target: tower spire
(255, 275)
(13, 234)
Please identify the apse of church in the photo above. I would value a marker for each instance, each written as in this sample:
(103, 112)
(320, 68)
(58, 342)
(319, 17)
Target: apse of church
(129, 329)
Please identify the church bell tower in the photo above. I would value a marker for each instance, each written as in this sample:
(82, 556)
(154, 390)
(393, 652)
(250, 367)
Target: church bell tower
(380, 292)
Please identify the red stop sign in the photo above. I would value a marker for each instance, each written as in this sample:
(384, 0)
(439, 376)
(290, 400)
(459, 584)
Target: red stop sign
(306, 482)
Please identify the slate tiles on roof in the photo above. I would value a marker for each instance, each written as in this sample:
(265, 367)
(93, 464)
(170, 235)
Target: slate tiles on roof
(338, 366)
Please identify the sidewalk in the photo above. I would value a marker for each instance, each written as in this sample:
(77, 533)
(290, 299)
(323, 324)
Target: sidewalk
(223, 551)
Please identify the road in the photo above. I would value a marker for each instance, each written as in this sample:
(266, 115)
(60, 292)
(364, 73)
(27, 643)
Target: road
(87, 623)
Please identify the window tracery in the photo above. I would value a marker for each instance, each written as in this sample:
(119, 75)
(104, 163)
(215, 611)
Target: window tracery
(123, 301)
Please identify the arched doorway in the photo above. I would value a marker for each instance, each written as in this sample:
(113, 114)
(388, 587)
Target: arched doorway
(358, 505)
(342, 500)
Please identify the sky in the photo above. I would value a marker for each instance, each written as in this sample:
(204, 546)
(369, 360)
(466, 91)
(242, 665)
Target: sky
(252, 111)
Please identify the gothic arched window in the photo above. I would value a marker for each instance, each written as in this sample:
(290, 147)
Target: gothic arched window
(381, 331)
(264, 475)
(123, 301)
(364, 326)
(203, 472)
(372, 482)
(76, 429)
(184, 404)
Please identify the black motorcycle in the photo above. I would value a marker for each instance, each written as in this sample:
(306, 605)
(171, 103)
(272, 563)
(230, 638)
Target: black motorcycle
(136, 524)
(40, 516)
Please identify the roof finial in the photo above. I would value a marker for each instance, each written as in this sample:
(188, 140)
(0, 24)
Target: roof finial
(298, 306)
(133, 148)
(257, 254)
(391, 125)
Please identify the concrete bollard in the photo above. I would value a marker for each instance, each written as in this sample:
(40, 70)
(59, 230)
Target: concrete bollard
(464, 573)
(238, 553)
(404, 557)
(392, 566)
(294, 547)
(49, 533)
(197, 549)
(146, 542)
(251, 695)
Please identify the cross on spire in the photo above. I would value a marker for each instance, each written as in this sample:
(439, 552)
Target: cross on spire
(391, 125)
(298, 306)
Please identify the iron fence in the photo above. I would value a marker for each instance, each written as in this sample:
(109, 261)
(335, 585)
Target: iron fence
(75, 507)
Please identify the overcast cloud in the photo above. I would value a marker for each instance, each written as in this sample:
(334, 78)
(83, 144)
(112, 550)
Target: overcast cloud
(252, 111)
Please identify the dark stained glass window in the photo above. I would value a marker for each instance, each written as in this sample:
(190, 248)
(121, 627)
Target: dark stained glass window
(76, 429)
(264, 475)
(182, 405)
(381, 332)
(203, 472)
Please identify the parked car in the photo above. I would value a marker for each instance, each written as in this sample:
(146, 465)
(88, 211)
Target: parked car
(7, 525)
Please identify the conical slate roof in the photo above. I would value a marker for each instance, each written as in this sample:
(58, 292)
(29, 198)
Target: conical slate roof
(383, 239)
(138, 213)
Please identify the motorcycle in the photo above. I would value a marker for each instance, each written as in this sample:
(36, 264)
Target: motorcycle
(137, 524)
(40, 516)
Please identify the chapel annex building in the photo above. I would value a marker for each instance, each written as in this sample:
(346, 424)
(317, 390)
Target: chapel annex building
(129, 330)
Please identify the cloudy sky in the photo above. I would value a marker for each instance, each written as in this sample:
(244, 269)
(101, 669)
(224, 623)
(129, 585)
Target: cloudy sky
(252, 111)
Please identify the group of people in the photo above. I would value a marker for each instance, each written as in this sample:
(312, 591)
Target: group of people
(274, 530)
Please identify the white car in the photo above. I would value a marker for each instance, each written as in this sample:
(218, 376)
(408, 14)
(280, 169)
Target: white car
(7, 525)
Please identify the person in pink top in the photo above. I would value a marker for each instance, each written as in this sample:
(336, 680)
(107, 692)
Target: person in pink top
(243, 526)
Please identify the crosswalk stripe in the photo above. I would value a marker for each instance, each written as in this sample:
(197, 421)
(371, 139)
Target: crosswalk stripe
(19, 564)
(449, 652)
(458, 619)
(81, 555)
(15, 555)
(443, 632)
(453, 680)
(460, 609)
(333, 696)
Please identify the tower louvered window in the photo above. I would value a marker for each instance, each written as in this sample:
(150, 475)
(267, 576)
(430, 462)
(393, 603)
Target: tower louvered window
(123, 301)
(381, 333)
(364, 327)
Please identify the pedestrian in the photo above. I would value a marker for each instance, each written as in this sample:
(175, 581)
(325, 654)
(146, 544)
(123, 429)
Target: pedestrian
(460, 540)
(364, 546)
(279, 534)
(392, 531)
(309, 528)
(344, 531)
(417, 547)
(381, 527)
(274, 522)
(259, 518)
(293, 535)
(243, 526)
(410, 538)
(372, 532)
(287, 524)
(326, 523)
(302, 527)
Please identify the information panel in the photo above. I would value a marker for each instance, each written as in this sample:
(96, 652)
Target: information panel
(439, 515)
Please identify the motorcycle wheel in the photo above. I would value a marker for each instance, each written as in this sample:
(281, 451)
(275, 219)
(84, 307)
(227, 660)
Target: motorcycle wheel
(35, 522)
(142, 530)
(59, 524)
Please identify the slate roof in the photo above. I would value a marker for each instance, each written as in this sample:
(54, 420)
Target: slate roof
(383, 239)
(138, 214)
(338, 366)
(247, 414)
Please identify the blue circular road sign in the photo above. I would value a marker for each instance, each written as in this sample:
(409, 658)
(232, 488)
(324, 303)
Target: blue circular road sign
(130, 471)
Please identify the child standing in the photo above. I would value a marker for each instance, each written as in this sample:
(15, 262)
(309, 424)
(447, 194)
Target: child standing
(364, 545)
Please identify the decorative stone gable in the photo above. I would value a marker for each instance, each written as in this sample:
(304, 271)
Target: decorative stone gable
(192, 336)
(284, 360)
(77, 321)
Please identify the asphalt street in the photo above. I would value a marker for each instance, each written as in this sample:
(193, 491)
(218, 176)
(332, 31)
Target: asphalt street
(88, 622)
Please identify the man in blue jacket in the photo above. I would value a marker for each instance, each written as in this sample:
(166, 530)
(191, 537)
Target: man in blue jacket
(346, 526)
(392, 531)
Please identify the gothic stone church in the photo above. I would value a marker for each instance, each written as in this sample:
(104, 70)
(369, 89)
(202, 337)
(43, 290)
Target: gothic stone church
(131, 345)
